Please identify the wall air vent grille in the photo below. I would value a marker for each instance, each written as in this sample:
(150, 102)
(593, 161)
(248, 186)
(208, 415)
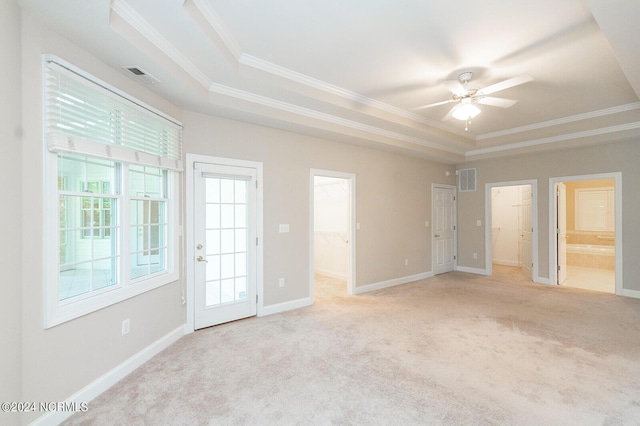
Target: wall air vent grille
(467, 180)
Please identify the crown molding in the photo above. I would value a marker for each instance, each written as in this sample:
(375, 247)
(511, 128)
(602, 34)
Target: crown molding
(555, 139)
(221, 36)
(139, 24)
(219, 31)
(560, 121)
(133, 18)
(324, 117)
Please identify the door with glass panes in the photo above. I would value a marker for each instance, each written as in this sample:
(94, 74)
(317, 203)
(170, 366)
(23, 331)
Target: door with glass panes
(225, 243)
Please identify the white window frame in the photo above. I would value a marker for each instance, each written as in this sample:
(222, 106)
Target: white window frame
(607, 194)
(59, 311)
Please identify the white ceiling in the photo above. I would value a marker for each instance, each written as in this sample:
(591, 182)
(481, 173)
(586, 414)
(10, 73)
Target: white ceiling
(355, 71)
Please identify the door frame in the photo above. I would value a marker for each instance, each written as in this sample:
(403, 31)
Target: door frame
(188, 232)
(617, 193)
(455, 226)
(488, 234)
(351, 259)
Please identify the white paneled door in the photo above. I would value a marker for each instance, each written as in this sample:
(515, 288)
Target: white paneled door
(443, 229)
(225, 243)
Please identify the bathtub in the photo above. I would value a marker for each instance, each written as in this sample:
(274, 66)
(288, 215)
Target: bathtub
(590, 255)
(591, 249)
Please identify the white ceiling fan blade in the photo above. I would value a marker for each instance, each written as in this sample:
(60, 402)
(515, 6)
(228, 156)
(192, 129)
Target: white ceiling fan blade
(515, 81)
(496, 102)
(432, 105)
(455, 87)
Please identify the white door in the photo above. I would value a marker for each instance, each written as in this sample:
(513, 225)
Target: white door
(527, 231)
(443, 229)
(561, 232)
(225, 226)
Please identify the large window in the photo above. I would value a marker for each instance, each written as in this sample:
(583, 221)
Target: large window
(113, 168)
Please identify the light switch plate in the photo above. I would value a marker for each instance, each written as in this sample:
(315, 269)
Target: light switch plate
(284, 227)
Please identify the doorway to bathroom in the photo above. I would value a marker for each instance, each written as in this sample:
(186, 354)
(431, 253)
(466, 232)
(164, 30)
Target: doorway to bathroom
(332, 239)
(511, 237)
(584, 238)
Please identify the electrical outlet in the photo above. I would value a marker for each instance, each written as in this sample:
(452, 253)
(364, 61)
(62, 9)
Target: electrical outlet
(281, 282)
(406, 262)
(475, 255)
(126, 326)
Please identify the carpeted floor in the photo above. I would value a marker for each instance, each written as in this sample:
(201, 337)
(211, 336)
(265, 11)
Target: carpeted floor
(454, 349)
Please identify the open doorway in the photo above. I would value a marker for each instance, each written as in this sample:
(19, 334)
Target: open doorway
(511, 238)
(332, 237)
(585, 241)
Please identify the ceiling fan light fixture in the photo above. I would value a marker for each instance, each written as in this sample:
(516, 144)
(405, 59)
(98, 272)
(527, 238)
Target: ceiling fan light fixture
(465, 111)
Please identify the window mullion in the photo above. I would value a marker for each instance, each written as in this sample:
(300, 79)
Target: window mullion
(125, 226)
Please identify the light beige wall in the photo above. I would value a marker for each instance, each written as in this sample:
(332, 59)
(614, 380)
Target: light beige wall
(393, 200)
(614, 157)
(10, 214)
(60, 361)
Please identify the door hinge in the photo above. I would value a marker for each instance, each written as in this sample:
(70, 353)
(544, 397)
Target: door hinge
(256, 240)
(256, 184)
(454, 258)
(558, 268)
(256, 298)
(454, 227)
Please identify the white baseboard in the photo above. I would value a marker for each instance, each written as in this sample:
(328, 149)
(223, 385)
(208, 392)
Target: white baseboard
(101, 384)
(631, 293)
(391, 283)
(476, 271)
(540, 280)
(286, 306)
(331, 274)
(506, 262)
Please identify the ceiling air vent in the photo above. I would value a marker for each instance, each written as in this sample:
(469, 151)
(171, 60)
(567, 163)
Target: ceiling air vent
(467, 180)
(141, 75)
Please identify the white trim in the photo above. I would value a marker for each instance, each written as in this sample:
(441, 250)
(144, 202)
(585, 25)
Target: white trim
(631, 293)
(579, 117)
(330, 274)
(222, 38)
(488, 217)
(476, 271)
(136, 21)
(191, 159)
(392, 283)
(287, 306)
(617, 179)
(558, 138)
(455, 226)
(107, 380)
(351, 261)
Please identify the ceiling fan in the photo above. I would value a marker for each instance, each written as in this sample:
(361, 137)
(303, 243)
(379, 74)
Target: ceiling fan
(467, 96)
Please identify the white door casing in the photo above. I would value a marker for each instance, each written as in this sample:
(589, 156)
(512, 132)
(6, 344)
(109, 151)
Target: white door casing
(561, 232)
(527, 231)
(443, 220)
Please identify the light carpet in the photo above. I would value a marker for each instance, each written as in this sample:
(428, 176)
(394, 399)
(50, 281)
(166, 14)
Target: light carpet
(454, 349)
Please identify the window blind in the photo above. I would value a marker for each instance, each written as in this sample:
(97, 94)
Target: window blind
(85, 116)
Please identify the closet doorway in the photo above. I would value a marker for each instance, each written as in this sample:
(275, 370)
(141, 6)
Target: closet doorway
(332, 231)
(511, 238)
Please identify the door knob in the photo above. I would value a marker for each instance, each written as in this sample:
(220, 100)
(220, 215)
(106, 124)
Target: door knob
(201, 259)
(437, 235)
